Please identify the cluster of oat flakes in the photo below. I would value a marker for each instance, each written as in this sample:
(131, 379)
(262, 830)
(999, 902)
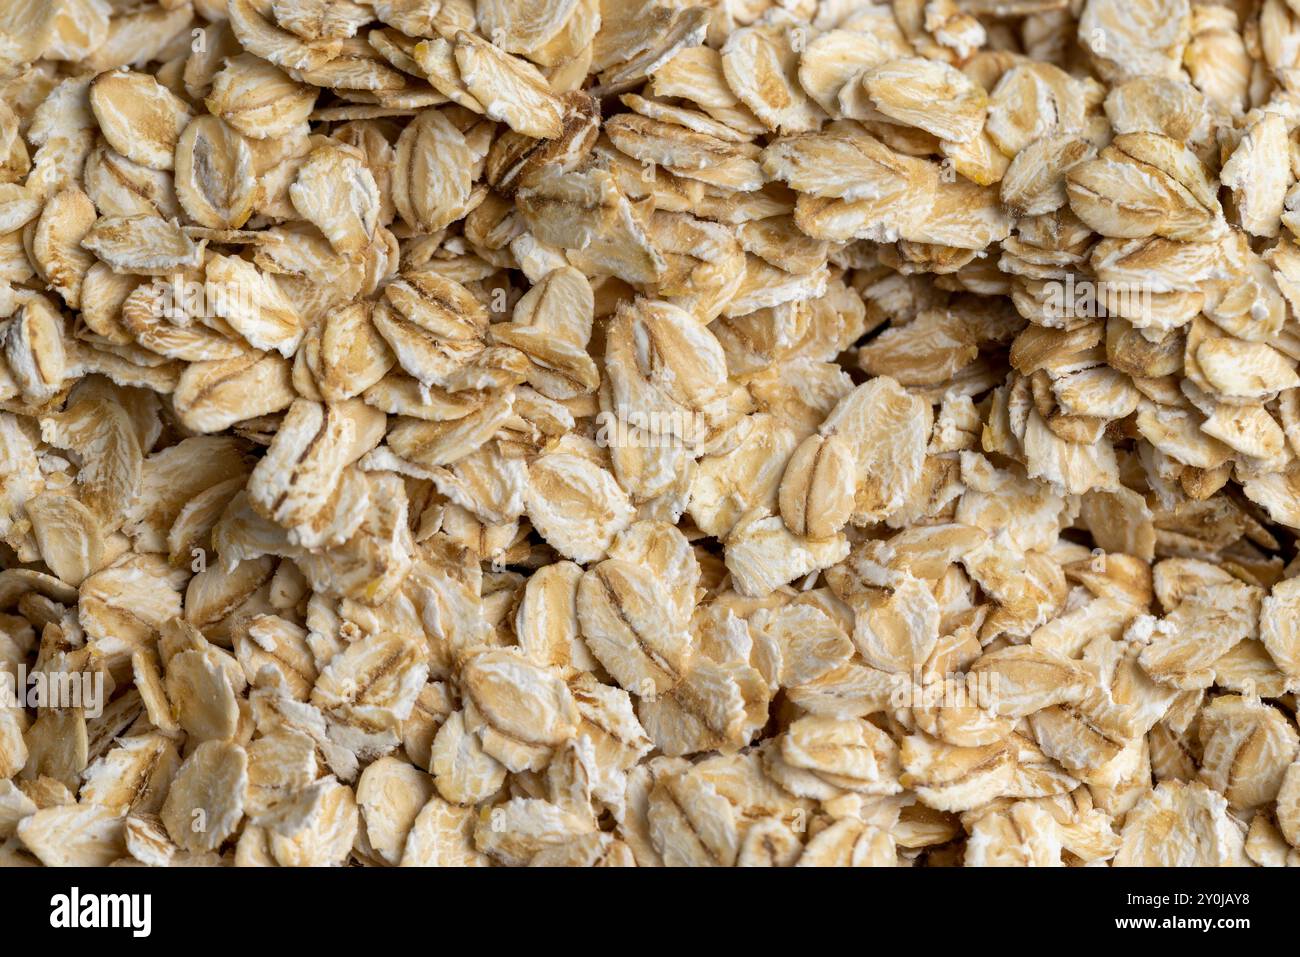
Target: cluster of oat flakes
(583, 431)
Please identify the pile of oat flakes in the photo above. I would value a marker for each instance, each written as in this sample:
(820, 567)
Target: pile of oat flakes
(586, 431)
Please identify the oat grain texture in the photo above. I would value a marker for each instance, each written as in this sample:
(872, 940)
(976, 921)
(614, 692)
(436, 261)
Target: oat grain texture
(649, 432)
